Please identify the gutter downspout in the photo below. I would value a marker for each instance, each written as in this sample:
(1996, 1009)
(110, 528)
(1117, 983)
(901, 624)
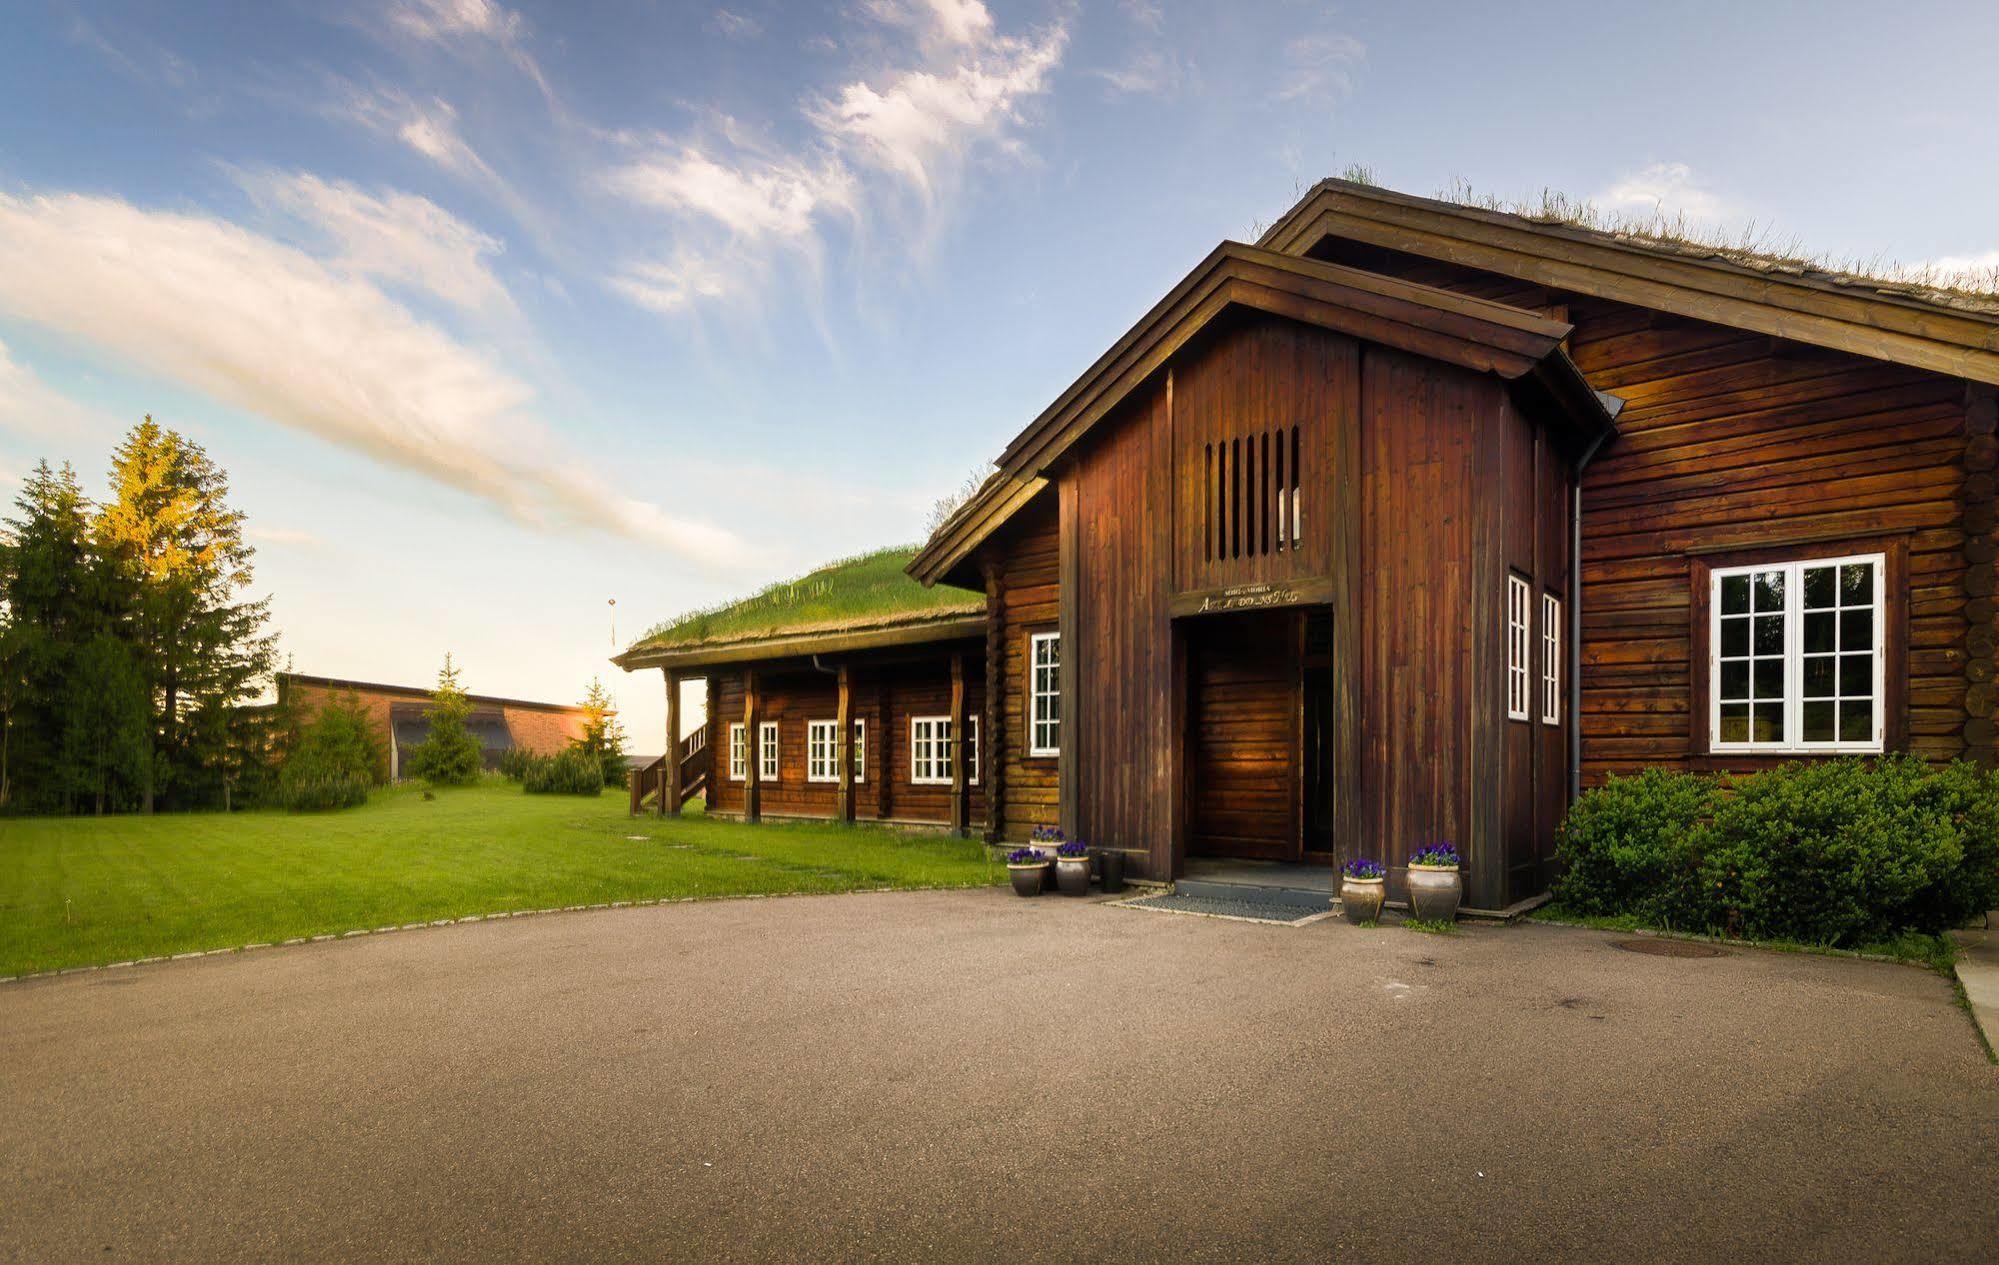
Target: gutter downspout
(1576, 617)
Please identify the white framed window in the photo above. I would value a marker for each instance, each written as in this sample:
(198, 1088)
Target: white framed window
(1045, 694)
(767, 751)
(1795, 655)
(739, 764)
(1518, 648)
(822, 750)
(1551, 659)
(930, 750)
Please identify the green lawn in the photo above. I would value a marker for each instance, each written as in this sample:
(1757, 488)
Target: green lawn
(78, 891)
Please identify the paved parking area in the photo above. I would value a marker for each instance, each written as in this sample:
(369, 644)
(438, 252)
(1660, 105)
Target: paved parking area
(971, 1076)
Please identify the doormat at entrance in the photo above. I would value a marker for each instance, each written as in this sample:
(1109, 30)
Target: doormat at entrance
(1235, 910)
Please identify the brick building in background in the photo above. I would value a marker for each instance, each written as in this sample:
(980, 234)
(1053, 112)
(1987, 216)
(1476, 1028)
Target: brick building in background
(500, 724)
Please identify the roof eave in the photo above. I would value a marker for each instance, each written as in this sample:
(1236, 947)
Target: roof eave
(823, 642)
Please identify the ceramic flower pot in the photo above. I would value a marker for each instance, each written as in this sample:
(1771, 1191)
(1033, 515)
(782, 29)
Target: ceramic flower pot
(1435, 892)
(1072, 875)
(1360, 898)
(1027, 879)
(1110, 869)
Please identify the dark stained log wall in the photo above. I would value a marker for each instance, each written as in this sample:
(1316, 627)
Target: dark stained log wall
(1022, 598)
(1741, 441)
(885, 696)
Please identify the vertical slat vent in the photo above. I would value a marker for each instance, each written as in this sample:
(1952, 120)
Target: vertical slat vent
(1249, 495)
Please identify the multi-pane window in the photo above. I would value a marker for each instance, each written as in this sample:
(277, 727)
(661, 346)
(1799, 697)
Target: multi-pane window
(1045, 717)
(1519, 646)
(739, 768)
(930, 750)
(822, 750)
(767, 751)
(1551, 659)
(1796, 656)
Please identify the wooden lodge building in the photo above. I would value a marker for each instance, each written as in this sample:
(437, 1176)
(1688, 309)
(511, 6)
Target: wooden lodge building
(1291, 572)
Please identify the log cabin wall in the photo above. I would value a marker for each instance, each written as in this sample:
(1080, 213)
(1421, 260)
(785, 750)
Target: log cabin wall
(885, 695)
(1022, 598)
(1739, 441)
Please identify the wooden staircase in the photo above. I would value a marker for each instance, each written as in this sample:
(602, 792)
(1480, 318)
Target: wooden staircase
(697, 762)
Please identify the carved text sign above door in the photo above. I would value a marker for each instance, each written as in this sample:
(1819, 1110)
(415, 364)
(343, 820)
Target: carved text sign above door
(1252, 597)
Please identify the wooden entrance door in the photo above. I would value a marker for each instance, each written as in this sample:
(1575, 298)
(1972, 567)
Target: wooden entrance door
(1245, 708)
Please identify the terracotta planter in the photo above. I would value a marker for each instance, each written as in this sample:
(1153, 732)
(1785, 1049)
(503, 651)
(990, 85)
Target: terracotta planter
(1435, 892)
(1360, 898)
(1028, 880)
(1072, 875)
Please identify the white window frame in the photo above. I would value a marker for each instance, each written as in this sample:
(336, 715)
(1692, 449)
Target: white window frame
(767, 751)
(1519, 647)
(1793, 742)
(739, 764)
(930, 767)
(1551, 659)
(822, 750)
(1044, 732)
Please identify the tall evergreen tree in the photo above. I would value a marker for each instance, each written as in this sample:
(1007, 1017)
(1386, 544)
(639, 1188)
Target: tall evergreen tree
(603, 736)
(42, 569)
(201, 647)
(450, 755)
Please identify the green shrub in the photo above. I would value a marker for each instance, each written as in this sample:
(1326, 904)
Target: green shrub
(1624, 842)
(570, 772)
(1840, 852)
(515, 762)
(449, 755)
(312, 784)
(334, 760)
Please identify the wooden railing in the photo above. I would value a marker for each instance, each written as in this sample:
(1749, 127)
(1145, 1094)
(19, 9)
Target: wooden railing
(648, 788)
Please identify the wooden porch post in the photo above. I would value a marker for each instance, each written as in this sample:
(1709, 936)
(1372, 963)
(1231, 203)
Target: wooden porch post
(959, 779)
(669, 788)
(752, 757)
(844, 734)
(993, 728)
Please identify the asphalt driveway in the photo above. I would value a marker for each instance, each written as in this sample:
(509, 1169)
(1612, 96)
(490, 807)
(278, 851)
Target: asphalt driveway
(972, 1076)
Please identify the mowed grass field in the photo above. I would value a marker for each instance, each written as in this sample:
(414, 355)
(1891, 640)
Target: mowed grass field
(83, 891)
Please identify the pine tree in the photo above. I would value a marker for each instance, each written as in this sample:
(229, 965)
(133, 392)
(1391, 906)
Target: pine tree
(200, 648)
(42, 569)
(603, 736)
(450, 755)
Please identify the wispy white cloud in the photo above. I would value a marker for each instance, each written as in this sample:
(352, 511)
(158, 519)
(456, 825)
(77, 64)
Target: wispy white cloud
(1975, 270)
(30, 406)
(268, 328)
(738, 206)
(395, 237)
(1151, 72)
(1666, 189)
(1320, 64)
(428, 127)
(469, 24)
(735, 26)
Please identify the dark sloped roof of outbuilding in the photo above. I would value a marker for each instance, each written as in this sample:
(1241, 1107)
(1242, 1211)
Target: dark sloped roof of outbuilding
(1439, 324)
(1924, 326)
(863, 602)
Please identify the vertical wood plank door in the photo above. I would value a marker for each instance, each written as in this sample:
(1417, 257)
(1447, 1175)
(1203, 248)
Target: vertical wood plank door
(1244, 701)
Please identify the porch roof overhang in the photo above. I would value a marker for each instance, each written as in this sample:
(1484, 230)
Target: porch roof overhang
(1897, 322)
(1512, 343)
(805, 643)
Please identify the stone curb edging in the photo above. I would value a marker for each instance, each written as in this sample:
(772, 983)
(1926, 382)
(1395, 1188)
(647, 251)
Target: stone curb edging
(325, 937)
(1802, 950)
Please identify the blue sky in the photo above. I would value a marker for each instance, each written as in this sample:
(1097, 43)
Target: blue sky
(497, 312)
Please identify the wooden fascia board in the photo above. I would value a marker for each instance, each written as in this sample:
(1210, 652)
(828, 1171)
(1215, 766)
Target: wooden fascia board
(1709, 290)
(806, 644)
(1413, 318)
(980, 519)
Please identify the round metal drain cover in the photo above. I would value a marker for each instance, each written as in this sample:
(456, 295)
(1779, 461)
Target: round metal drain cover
(1670, 948)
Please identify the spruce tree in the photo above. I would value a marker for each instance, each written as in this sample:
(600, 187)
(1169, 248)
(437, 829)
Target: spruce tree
(43, 562)
(603, 736)
(201, 648)
(450, 755)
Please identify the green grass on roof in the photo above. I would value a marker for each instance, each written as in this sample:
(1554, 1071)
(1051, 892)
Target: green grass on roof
(855, 592)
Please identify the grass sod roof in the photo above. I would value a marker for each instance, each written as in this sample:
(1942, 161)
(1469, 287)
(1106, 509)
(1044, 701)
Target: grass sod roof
(870, 591)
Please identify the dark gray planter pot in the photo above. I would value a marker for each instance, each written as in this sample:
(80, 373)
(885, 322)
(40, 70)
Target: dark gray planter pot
(1073, 876)
(1435, 893)
(1027, 879)
(1360, 898)
(1110, 869)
